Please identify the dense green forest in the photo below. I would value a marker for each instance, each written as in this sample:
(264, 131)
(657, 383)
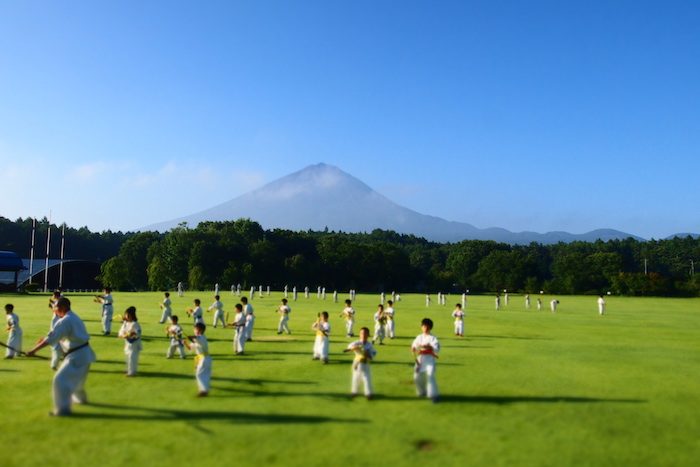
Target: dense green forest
(242, 252)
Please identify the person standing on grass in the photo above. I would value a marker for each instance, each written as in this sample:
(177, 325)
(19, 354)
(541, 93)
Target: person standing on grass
(379, 325)
(56, 353)
(498, 302)
(284, 311)
(107, 310)
(131, 333)
(390, 315)
(166, 306)
(601, 305)
(364, 354)
(196, 313)
(527, 301)
(425, 348)
(219, 311)
(69, 380)
(239, 330)
(174, 332)
(199, 345)
(323, 330)
(458, 315)
(14, 333)
(349, 314)
(249, 319)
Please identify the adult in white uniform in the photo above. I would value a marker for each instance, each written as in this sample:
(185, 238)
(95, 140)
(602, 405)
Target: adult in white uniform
(601, 305)
(69, 380)
(553, 305)
(425, 348)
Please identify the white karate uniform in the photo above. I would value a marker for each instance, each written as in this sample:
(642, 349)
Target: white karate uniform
(539, 304)
(56, 352)
(601, 305)
(498, 303)
(167, 310)
(198, 315)
(458, 315)
(175, 333)
(219, 313)
(239, 333)
(69, 380)
(364, 353)
(249, 321)
(349, 314)
(553, 305)
(379, 326)
(107, 311)
(14, 337)
(284, 311)
(131, 333)
(216, 289)
(179, 289)
(202, 361)
(424, 375)
(389, 313)
(321, 342)
(527, 302)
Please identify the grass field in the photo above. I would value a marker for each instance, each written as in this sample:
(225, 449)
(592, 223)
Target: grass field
(522, 388)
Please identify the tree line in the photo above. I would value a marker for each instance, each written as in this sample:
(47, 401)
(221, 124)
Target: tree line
(242, 252)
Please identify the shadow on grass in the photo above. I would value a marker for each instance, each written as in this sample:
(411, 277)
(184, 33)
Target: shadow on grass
(507, 400)
(170, 375)
(150, 414)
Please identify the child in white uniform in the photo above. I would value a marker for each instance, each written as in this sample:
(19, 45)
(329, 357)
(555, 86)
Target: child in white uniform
(219, 313)
(349, 315)
(14, 337)
(390, 315)
(458, 315)
(107, 309)
(249, 318)
(196, 312)
(553, 305)
(284, 311)
(131, 333)
(199, 345)
(323, 329)
(174, 331)
(239, 333)
(166, 307)
(379, 325)
(425, 348)
(364, 353)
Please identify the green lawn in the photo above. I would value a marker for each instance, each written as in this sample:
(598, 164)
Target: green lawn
(523, 388)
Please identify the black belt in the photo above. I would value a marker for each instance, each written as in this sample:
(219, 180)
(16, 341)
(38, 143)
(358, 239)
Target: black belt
(77, 348)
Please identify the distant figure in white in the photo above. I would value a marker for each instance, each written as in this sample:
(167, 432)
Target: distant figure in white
(498, 302)
(295, 294)
(323, 293)
(285, 292)
(601, 305)
(252, 292)
(318, 294)
(527, 301)
(233, 289)
(216, 289)
(553, 305)
(349, 314)
(458, 315)
(427, 300)
(335, 296)
(464, 300)
(539, 304)
(249, 319)
(382, 297)
(505, 297)
(180, 293)
(306, 292)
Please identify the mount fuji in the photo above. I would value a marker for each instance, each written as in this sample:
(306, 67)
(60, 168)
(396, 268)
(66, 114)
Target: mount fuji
(323, 196)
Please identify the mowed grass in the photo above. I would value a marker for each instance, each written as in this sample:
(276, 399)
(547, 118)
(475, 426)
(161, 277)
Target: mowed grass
(522, 388)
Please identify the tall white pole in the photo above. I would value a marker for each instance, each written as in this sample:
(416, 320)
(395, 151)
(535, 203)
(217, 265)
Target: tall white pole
(48, 249)
(31, 251)
(63, 245)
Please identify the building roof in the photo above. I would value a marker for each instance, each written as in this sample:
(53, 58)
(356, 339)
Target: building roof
(10, 261)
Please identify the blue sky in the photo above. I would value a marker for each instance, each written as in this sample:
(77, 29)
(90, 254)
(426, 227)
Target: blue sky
(524, 115)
